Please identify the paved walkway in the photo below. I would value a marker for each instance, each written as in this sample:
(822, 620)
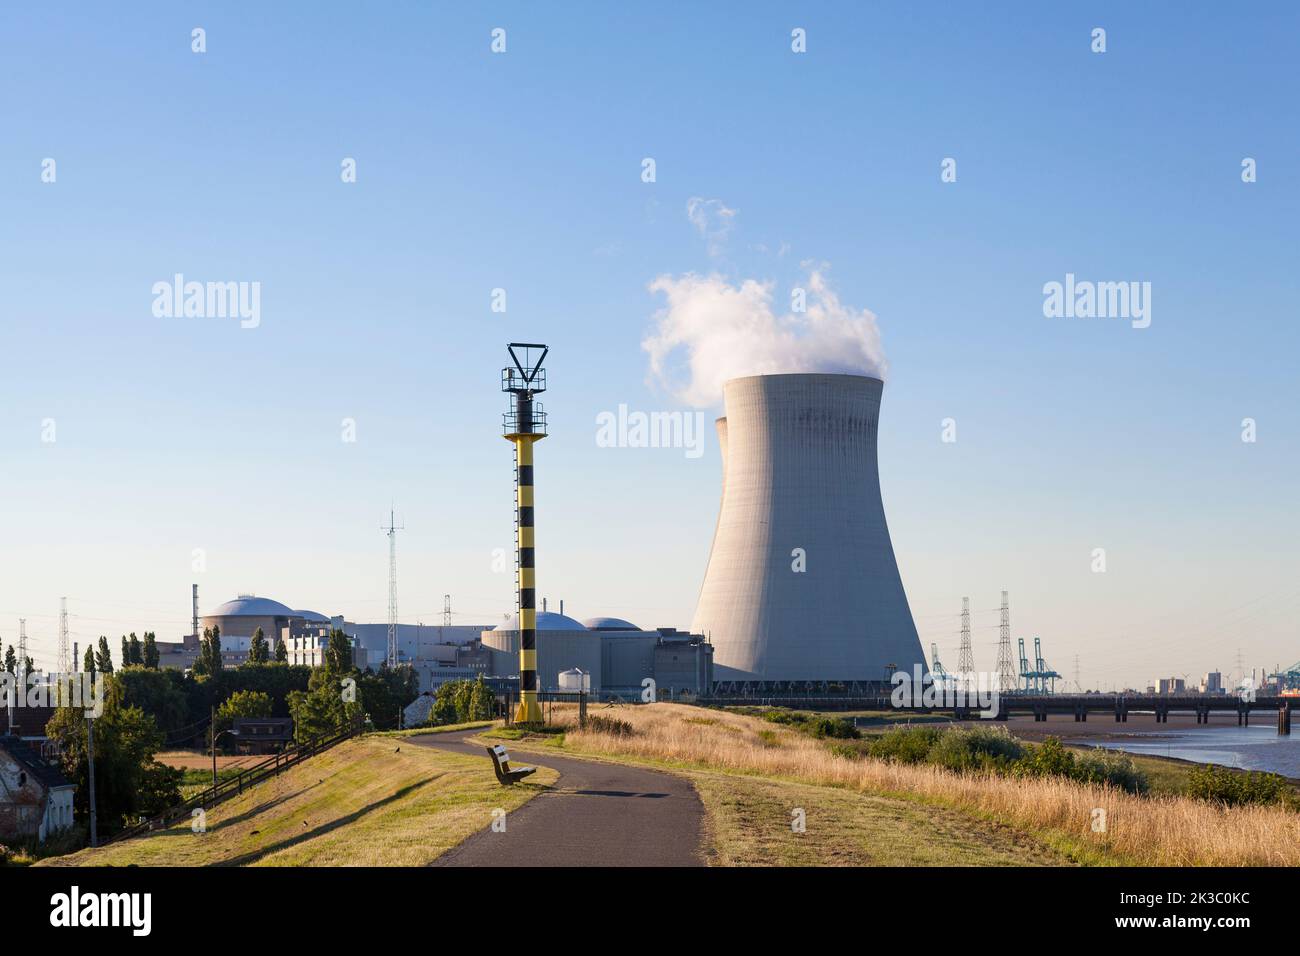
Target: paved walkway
(596, 814)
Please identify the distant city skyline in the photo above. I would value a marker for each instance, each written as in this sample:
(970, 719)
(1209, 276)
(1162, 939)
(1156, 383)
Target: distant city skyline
(932, 208)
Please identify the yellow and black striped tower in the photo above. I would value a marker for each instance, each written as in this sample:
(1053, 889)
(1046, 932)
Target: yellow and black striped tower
(525, 423)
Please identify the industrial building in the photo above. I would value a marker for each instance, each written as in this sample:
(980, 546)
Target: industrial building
(801, 583)
(615, 656)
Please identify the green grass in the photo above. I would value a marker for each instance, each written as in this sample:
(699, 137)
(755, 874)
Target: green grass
(365, 802)
(194, 781)
(443, 729)
(549, 737)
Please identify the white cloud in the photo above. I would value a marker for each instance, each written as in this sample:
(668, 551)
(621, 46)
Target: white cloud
(712, 330)
(713, 219)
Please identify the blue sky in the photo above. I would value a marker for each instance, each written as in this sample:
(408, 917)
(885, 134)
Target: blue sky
(522, 171)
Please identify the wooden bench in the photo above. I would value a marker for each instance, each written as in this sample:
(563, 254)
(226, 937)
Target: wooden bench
(501, 764)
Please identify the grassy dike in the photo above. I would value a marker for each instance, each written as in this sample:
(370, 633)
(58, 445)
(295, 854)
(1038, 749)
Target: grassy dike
(366, 802)
(745, 769)
(751, 819)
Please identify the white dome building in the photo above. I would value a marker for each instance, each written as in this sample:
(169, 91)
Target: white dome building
(562, 645)
(239, 620)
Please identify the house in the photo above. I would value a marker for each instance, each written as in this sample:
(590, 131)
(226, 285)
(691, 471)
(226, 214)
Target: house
(263, 735)
(35, 796)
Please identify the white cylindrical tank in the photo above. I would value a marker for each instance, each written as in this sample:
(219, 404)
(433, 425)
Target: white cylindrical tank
(801, 582)
(574, 680)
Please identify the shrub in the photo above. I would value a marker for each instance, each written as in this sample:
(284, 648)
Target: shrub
(1048, 759)
(904, 744)
(609, 725)
(976, 748)
(1111, 768)
(788, 717)
(1234, 788)
(836, 727)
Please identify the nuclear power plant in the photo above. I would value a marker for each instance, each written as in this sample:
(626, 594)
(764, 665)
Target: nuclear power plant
(802, 584)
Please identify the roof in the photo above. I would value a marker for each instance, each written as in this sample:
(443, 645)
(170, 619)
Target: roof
(27, 721)
(312, 617)
(246, 605)
(47, 773)
(609, 624)
(546, 621)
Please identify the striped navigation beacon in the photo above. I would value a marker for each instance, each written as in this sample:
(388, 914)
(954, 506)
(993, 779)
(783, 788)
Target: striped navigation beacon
(525, 423)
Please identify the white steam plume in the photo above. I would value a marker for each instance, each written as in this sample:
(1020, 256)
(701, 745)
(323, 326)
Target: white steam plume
(712, 330)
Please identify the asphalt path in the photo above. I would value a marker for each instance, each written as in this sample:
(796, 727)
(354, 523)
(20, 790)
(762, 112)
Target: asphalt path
(596, 814)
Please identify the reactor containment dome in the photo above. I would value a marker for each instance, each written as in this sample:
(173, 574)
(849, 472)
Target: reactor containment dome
(801, 583)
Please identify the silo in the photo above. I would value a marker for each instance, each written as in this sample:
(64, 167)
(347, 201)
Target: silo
(801, 582)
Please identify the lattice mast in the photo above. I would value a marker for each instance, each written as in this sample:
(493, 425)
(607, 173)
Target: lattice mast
(391, 531)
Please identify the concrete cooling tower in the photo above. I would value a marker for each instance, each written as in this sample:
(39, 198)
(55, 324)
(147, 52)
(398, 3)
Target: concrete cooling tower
(799, 471)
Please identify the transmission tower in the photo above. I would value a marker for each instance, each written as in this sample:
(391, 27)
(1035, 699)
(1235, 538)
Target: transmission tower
(965, 656)
(391, 531)
(22, 651)
(1006, 665)
(63, 637)
(1077, 685)
(446, 610)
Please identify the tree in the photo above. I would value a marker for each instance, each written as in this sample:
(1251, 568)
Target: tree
(209, 660)
(258, 651)
(338, 653)
(242, 703)
(481, 702)
(126, 652)
(150, 651)
(135, 653)
(161, 695)
(29, 665)
(11, 660)
(321, 709)
(88, 661)
(128, 781)
(281, 653)
(104, 657)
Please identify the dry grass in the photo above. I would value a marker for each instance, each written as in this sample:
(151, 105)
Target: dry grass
(1160, 831)
(750, 825)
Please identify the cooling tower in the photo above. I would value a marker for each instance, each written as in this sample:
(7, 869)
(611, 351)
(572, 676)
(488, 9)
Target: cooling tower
(799, 471)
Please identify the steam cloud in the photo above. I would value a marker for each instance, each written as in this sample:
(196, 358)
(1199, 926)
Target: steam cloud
(712, 330)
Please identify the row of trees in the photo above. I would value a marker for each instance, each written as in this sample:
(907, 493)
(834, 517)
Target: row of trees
(11, 661)
(460, 701)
